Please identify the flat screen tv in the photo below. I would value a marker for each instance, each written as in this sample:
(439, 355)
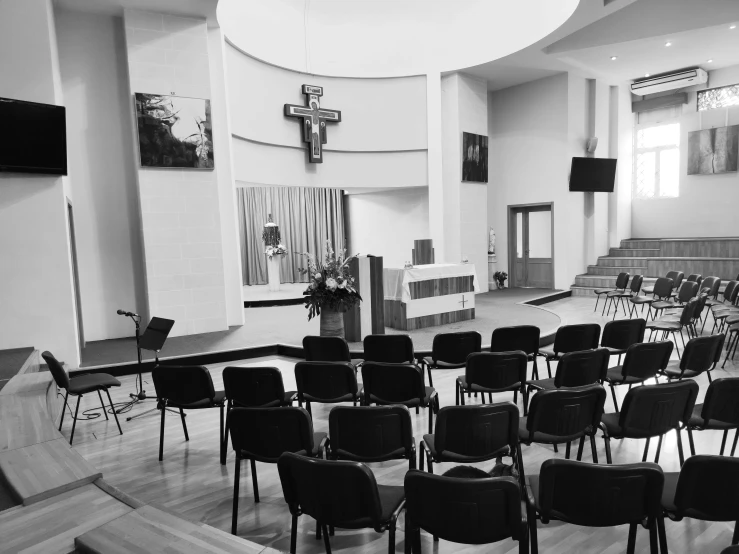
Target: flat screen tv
(592, 174)
(33, 138)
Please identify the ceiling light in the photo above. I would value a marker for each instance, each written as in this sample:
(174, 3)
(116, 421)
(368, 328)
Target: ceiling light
(709, 61)
(668, 44)
(613, 58)
(732, 27)
(646, 74)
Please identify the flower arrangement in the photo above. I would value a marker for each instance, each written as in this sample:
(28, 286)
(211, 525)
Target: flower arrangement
(278, 250)
(500, 278)
(330, 284)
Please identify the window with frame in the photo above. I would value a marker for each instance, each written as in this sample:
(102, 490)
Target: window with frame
(657, 161)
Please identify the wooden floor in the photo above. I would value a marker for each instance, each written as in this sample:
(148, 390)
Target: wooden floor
(191, 482)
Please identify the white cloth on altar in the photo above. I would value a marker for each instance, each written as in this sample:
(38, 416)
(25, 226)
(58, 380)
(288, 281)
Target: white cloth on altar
(396, 281)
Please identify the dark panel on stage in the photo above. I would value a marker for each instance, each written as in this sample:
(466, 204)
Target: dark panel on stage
(367, 272)
(423, 252)
(441, 287)
(377, 297)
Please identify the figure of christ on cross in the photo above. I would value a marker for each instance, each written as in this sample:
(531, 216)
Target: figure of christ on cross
(314, 121)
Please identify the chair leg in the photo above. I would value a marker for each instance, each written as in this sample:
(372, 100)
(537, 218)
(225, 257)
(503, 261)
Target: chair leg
(254, 480)
(567, 450)
(391, 539)
(735, 537)
(579, 448)
(555, 448)
(597, 299)
(653, 537)
(431, 380)
(456, 394)
(420, 456)
(690, 442)
(102, 404)
(222, 441)
(723, 442)
(161, 435)
(593, 449)
(431, 418)
(659, 448)
(607, 442)
(74, 421)
(293, 534)
(115, 415)
(66, 395)
(184, 425)
(630, 547)
(613, 395)
(680, 446)
(237, 475)
(646, 451)
(535, 371)
(549, 368)
(662, 534)
(326, 541)
(310, 412)
(733, 446)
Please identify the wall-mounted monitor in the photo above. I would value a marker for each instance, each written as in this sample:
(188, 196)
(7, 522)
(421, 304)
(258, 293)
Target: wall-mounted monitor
(592, 174)
(33, 137)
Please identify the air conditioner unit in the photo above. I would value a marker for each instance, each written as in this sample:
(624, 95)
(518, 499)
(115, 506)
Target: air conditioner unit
(672, 81)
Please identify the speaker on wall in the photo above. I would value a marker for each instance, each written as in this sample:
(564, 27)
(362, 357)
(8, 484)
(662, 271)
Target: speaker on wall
(591, 145)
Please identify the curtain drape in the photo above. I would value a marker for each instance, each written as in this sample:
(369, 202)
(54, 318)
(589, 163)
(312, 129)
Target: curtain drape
(307, 217)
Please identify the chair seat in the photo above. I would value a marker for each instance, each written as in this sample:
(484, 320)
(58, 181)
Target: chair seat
(662, 305)
(391, 497)
(610, 422)
(217, 400)
(344, 398)
(673, 371)
(289, 397)
(449, 456)
(697, 422)
(615, 351)
(545, 438)
(604, 291)
(542, 384)
(438, 364)
(462, 381)
(668, 499)
(412, 403)
(92, 382)
(548, 352)
(648, 290)
(642, 299)
(318, 439)
(614, 376)
(711, 302)
(664, 325)
(622, 294)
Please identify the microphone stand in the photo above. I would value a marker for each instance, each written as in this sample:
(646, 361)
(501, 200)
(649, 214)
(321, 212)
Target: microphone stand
(140, 392)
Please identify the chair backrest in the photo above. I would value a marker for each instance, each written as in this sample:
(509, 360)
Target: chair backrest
(695, 278)
(672, 275)
(453, 348)
(663, 287)
(254, 386)
(183, 384)
(466, 511)
(517, 337)
(686, 316)
(688, 290)
(597, 495)
(678, 280)
(60, 375)
(721, 401)
(391, 349)
(622, 281)
(370, 433)
(708, 488)
(622, 333)
(496, 370)
(730, 291)
(636, 284)
(265, 433)
(571, 338)
(325, 349)
(700, 353)
(392, 383)
(330, 491)
(565, 412)
(645, 359)
(712, 284)
(477, 430)
(325, 381)
(700, 305)
(577, 369)
(652, 410)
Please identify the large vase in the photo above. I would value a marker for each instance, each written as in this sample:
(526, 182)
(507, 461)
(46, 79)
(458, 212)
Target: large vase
(273, 273)
(332, 323)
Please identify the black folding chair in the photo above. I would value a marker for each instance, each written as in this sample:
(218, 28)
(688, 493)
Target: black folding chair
(676, 328)
(571, 338)
(576, 369)
(644, 360)
(675, 276)
(651, 411)
(263, 435)
(390, 349)
(719, 411)
(489, 372)
(464, 511)
(660, 293)
(450, 351)
(700, 356)
(621, 297)
(622, 281)
(518, 337)
(327, 349)
(371, 434)
(340, 494)
(597, 496)
(326, 383)
(619, 335)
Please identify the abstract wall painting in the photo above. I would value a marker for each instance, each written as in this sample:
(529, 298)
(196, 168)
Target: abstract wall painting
(174, 131)
(712, 151)
(474, 158)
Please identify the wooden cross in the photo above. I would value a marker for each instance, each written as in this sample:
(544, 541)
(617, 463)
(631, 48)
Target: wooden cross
(314, 121)
(463, 301)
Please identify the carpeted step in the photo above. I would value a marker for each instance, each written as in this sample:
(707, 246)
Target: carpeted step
(634, 253)
(640, 243)
(615, 270)
(608, 261)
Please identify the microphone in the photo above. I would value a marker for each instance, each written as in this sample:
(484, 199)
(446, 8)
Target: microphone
(127, 314)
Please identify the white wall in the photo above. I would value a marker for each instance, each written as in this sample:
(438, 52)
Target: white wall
(101, 171)
(385, 223)
(706, 206)
(35, 272)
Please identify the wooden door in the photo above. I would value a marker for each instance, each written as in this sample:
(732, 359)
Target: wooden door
(531, 245)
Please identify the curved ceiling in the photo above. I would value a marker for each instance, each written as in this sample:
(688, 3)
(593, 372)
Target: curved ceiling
(387, 38)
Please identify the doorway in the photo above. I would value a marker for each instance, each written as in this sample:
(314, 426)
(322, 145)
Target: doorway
(531, 245)
(75, 277)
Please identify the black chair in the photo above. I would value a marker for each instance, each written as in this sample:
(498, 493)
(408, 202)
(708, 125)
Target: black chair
(675, 276)
(450, 351)
(371, 434)
(518, 337)
(576, 369)
(398, 384)
(669, 326)
(726, 296)
(389, 349)
(327, 349)
(79, 386)
(707, 488)
(340, 494)
(562, 416)
(720, 311)
(597, 496)
(619, 335)
(471, 434)
(719, 411)
(643, 361)
(651, 411)
(571, 338)
(622, 281)
(711, 286)
(660, 293)
(701, 355)
(634, 291)
(326, 383)
(687, 292)
(489, 372)
(263, 435)
(465, 511)
(186, 388)
(696, 278)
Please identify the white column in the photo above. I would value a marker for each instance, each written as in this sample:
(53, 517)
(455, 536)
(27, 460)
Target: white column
(435, 180)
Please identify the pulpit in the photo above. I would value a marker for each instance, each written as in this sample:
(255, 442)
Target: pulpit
(423, 252)
(367, 317)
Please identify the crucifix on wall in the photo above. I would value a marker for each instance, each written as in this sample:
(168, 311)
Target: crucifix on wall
(314, 121)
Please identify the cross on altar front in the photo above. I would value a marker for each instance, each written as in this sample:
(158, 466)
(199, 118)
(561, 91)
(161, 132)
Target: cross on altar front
(463, 301)
(314, 121)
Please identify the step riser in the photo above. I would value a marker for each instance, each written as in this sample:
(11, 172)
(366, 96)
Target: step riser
(614, 271)
(631, 253)
(621, 262)
(654, 244)
(583, 292)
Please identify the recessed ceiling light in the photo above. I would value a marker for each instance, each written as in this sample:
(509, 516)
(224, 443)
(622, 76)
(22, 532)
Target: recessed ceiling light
(668, 44)
(732, 27)
(646, 74)
(614, 58)
(709, 61)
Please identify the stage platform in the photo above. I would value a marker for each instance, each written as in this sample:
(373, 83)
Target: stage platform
(259, 296)
(280, 331)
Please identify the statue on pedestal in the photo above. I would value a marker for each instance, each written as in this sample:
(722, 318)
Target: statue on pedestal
(491, 241)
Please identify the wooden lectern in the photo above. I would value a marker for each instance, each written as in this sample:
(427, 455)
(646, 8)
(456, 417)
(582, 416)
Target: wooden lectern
(423, 252)
(368, 317)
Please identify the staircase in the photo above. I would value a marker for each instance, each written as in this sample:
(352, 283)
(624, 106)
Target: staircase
(631, 257)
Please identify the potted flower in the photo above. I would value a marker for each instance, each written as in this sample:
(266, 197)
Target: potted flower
(500, 278)
(330, 290)
(278, 250)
